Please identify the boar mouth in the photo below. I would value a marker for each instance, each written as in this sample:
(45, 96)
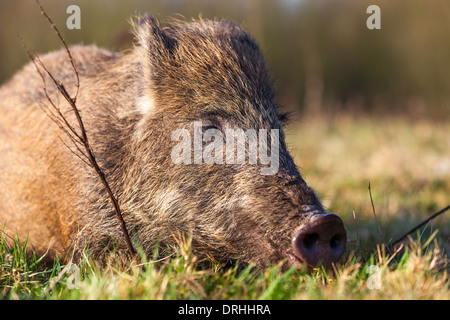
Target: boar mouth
(292, 260)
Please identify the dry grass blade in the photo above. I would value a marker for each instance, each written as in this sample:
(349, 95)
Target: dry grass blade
(376, 220)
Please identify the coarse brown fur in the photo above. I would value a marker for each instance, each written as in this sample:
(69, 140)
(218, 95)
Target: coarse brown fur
(204, 70)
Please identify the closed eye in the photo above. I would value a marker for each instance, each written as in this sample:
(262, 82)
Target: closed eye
(213, 127)
(212, 124)
(206, 128)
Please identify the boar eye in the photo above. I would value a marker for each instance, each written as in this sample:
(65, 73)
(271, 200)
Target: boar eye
(206, 128)
(211, 124)
(210, 131)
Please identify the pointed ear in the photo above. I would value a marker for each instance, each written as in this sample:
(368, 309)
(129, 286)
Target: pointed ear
(155, 54)
(156, 43)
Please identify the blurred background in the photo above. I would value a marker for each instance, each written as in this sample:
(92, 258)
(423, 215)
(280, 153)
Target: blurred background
(373, 105)
(323, 57)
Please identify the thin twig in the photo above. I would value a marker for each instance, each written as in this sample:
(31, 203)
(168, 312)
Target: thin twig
(37, 62)
(76, 154)
(79, 138)
(420, 225)
(53, 25)
(376, 220)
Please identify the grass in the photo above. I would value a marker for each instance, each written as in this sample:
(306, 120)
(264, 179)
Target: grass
(414, 274)
(408, 167)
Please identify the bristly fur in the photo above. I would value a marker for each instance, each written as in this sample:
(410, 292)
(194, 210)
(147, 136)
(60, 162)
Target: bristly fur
(207, 70)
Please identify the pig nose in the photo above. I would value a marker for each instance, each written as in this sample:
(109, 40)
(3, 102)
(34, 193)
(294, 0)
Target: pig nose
(321, 241)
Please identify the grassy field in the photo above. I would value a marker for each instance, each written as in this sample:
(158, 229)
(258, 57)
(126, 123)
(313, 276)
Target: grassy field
(408, 167)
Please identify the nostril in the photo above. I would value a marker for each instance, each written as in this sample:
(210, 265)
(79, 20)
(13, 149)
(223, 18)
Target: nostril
(310, 240)
(336, 242)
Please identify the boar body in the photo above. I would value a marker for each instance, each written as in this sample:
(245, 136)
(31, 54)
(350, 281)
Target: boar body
(208, 71)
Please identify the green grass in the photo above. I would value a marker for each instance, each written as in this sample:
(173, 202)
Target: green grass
(417, 273)
(406, 164)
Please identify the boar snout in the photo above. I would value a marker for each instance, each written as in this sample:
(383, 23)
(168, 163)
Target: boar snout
(321, 241)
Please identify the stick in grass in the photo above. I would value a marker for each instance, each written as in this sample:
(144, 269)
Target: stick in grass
(77, 134)
(420, 225)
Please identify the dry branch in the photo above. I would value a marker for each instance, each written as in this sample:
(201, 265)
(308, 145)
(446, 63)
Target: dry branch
(77, 134)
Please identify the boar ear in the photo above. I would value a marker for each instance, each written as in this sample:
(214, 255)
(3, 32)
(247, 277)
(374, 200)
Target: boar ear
(156, 43)
(155, 53)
